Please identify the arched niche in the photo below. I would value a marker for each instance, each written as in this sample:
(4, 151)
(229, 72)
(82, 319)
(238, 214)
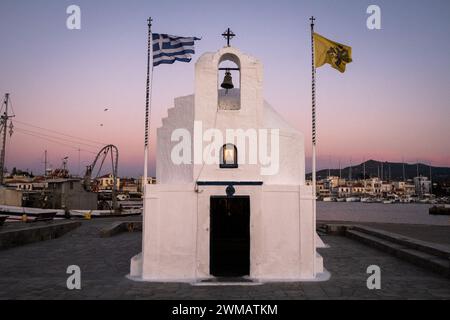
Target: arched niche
(228, 156)
(229, 99)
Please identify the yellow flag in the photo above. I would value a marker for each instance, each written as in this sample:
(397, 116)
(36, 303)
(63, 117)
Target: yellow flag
(327, 51)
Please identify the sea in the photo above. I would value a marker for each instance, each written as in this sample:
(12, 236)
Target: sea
(411, 213)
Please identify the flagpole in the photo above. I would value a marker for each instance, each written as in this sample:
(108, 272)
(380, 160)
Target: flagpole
(313, 91)
(148, 100)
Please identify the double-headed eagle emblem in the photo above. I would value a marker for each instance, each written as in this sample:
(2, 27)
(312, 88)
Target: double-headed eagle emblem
(338, 55)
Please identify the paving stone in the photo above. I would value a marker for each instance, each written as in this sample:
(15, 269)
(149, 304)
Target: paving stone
(38, 271)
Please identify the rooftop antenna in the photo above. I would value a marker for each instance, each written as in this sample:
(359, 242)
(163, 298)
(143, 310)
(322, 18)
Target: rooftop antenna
(64, 164)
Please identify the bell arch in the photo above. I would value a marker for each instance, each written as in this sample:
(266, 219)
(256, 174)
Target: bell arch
(229, 82)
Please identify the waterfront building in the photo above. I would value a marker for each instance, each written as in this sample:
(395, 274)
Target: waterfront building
(344, 191)
(358, 189)
(386, 188)
(422, 186)
(68, 194)
(373, 187)
(128, 185)
(106, 182)
(410, 189)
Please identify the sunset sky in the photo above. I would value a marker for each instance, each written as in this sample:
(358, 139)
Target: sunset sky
(392, 103)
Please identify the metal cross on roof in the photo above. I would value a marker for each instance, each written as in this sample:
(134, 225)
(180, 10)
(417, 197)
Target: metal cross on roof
(228, 34)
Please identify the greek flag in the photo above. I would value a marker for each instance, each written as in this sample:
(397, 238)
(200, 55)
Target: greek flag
(167, 48)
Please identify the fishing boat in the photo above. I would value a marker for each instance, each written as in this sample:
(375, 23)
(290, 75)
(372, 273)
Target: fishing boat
(13, 211)
(31, 214)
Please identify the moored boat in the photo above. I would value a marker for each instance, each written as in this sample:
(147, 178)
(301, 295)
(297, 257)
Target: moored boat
(440, 210)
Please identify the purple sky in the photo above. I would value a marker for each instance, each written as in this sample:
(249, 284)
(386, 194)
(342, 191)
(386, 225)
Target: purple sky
(393, 101)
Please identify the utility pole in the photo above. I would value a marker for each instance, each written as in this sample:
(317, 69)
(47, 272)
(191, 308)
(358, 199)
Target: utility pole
(4, 125)
(431, 181)
(45, 164)
(79, 162)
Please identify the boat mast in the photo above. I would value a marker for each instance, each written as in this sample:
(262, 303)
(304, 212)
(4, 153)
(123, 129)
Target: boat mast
(403, 164)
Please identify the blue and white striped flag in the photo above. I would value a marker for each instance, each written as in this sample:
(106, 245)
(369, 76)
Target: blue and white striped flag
(167, 48)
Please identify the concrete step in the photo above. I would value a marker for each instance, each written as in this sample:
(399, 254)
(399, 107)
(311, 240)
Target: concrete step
(423, 246)
(423, 259)
(30, 233)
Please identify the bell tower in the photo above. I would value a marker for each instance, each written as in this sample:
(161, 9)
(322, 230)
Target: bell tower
(233, 103)
(255, 211)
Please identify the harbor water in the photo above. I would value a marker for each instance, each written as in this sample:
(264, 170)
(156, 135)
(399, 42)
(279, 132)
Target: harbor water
(413, 213)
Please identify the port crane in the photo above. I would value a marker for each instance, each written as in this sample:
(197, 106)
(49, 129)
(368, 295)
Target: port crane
(97, 166)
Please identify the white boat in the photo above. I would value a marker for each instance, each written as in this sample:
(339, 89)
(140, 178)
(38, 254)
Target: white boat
(328, 199)
(123, 197)
(352, 199)
(104, 213)
(388, 201)
(340, 199)
(19, 211)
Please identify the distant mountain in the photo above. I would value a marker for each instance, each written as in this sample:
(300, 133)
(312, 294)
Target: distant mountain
(388, 170)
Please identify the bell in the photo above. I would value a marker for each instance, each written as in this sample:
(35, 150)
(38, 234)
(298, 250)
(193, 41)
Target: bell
(227, 81)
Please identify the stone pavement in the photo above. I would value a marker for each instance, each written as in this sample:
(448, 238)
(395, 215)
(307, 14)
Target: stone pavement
(38, 271)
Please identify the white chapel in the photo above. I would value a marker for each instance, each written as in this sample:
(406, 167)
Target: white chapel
(249, 214)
